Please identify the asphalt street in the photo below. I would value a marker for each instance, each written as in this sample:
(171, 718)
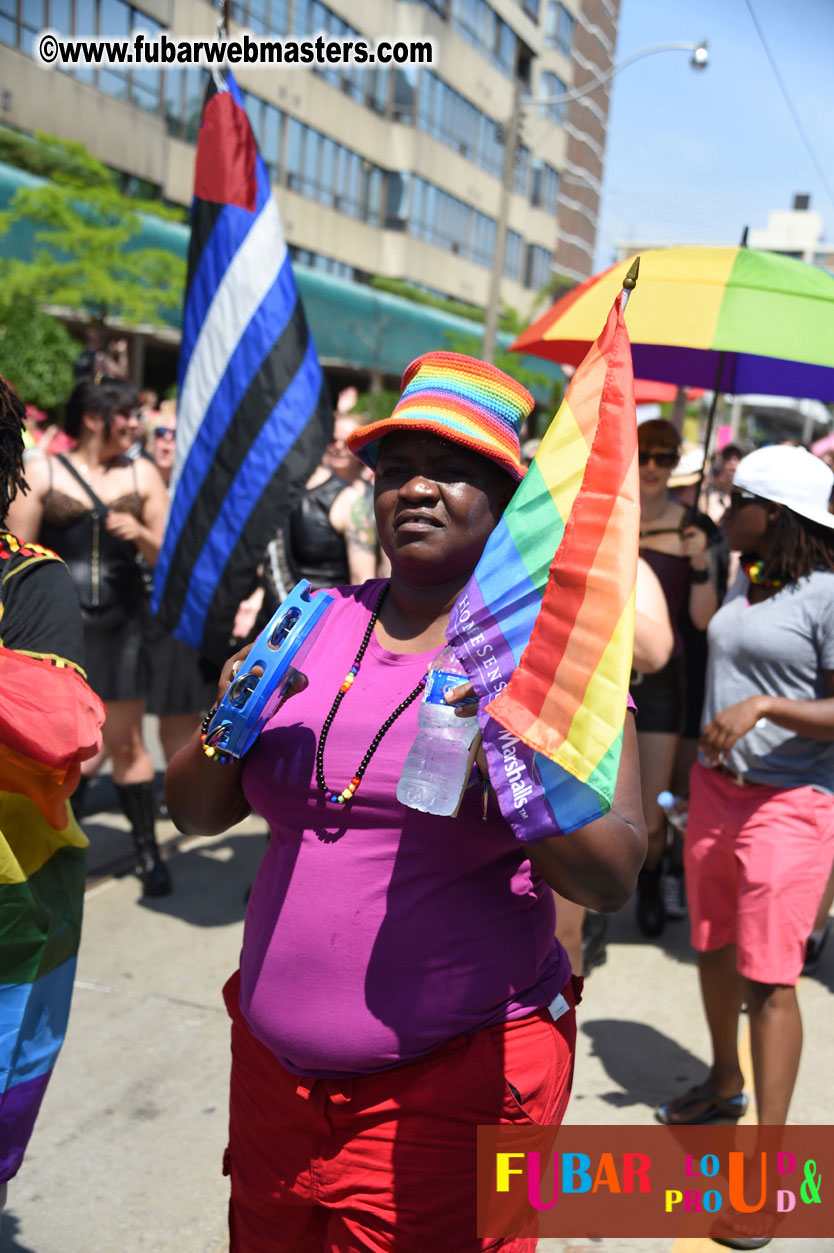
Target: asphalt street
(127, 1151)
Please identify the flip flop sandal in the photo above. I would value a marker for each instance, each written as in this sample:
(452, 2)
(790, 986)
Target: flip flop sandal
(714, 1108)
(742, 1242)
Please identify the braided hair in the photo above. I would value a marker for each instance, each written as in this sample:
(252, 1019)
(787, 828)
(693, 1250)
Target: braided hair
(12, 426)
(798, 546)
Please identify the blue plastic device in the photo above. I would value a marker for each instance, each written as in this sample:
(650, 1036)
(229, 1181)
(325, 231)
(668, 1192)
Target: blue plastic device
(279, 650)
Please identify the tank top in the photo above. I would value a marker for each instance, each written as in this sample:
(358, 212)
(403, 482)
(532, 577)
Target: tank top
(673, 574)
(104, 569)
(314, 550)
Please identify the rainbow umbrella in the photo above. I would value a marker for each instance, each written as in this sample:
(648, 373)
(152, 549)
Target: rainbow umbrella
(730, 319)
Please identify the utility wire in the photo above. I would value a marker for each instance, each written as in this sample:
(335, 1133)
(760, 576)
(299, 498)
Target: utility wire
(797, 121)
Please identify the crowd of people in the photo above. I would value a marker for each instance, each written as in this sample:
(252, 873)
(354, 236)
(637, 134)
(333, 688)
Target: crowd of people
(427, 964)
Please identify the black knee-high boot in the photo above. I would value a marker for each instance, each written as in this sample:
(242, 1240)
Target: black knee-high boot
(77, 799)
(137, 801)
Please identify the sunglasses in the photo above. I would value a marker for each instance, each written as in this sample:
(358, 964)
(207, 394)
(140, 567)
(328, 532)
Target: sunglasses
(739, 497)
(664, 460)
(164, 432)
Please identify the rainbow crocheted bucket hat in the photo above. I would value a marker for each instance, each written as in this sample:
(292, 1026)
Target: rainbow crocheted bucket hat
(458, 398)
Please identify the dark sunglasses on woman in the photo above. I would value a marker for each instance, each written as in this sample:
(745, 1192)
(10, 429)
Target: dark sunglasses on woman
(664, 460)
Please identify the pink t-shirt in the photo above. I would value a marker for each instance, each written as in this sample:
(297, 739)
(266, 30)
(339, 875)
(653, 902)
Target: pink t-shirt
(375, 933)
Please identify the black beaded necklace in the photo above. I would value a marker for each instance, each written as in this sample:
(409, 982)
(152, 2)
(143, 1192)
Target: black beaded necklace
(340, 797)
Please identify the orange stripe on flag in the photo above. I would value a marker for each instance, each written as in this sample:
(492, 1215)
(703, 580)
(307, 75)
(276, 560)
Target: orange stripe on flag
(581, 621)
(608, 588)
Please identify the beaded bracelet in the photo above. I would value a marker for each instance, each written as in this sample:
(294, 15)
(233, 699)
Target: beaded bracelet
(213, 754)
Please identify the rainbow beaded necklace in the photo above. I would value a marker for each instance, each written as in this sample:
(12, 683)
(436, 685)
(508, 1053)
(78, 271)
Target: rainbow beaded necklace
(755, 573)
(339, 798)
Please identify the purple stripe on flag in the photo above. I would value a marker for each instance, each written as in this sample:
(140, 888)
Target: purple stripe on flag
(489, 661)
(18, 1110)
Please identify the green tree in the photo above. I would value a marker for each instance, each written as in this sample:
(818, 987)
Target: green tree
(36, 356)
(85, 256)
(50, 157)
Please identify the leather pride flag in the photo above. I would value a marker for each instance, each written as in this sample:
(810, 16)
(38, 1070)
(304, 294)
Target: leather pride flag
(254, 413)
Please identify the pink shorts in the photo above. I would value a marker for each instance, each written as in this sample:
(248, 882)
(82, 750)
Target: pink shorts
(385, 1162)
(757, 860)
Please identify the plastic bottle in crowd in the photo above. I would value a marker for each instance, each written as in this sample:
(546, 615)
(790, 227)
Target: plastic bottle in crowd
(675, 808)
(439, 761)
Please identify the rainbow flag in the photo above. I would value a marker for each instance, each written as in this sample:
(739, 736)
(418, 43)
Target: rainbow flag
(50, 721)
(545, 626)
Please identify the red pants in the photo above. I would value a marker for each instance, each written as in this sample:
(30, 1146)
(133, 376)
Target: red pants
(385, 1163)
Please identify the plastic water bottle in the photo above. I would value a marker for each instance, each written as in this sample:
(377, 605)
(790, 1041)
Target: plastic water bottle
(437, 767)
(675, 808)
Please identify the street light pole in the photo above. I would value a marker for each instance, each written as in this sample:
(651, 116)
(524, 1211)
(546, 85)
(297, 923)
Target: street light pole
(698, 61)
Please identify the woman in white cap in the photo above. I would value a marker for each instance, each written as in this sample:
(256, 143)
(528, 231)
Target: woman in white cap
(760, 833)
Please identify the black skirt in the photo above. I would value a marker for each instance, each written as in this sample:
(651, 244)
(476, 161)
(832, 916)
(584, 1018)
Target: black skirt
(660, 698)
(117, 657)
(179, 684)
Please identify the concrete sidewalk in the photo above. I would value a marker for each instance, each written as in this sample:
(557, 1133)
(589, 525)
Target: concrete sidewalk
(127, 1150)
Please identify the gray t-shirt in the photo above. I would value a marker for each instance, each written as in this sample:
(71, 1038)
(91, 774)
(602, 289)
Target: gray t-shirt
(780, 646)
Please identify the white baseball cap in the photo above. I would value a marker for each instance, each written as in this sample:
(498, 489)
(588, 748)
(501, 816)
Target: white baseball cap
(789, 476)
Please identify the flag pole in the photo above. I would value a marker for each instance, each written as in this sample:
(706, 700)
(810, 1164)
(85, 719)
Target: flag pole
(714, 405)
(630, 281)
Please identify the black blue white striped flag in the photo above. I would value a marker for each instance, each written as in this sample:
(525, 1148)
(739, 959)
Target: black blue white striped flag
(254, 413)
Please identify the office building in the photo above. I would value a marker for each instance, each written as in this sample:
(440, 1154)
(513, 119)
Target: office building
(391, 171)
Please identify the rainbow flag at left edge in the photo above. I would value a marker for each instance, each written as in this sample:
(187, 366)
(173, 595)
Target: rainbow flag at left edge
(50, 721)
(254, 413)
(545, 626)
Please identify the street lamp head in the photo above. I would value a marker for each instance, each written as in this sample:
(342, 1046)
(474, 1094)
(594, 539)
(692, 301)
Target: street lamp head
(700, 56)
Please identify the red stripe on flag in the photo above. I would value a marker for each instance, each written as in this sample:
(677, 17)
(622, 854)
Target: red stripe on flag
(225, 168)
(611, 585)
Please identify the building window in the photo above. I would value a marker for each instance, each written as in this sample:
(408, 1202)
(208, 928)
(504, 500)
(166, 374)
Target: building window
(111, 19)
(482, 242)
(373, 196)
(310, 16)
(267, 124)
(396, 201)
(379, 82)
(559, 27)
(321, 169)
(405, 93)
(551, 87)
(537, 267)
(448, 116)
(32, 19)
(481, 26)
(317, 261)
(544, 191)
(262, 17)
(522, 170)
(443, 220)
(513, 255)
